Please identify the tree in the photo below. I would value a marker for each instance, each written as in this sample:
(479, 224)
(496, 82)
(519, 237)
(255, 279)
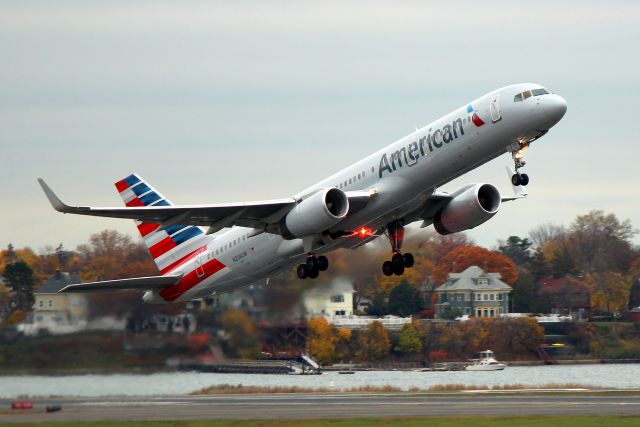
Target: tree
(544, 233)
(538, 266)
(19, 277)
(463, 257)
(517, 249)
(409, 340)
(374, 342)
(525, 296)
(404, 300)
(516, 337)
(242, 335)
(609, 291)
(5, 302)
(322, 340)
(563, 263)
(378, 306)
(599, 242)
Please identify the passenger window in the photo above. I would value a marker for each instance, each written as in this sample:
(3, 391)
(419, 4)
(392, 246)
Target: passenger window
(349, 180)
(526, 94)
(517, 98)
(362, 174)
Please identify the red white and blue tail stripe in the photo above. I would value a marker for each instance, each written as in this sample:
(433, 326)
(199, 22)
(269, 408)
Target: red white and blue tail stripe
(170, 247)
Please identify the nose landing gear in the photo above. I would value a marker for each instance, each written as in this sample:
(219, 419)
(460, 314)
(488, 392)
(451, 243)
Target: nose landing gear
(312, 267)
(518, 160)
(399, 261)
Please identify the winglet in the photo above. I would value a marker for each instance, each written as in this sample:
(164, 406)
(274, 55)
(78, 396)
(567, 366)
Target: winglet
(519, 191)
(55, 201)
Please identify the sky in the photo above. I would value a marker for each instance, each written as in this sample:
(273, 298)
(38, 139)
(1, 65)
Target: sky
(222, 101)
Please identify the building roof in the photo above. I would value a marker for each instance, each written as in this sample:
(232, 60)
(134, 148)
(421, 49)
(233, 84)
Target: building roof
(58, 281)
(468, 280)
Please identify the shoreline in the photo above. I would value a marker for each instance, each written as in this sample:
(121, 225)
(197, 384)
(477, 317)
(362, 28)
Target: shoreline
(333, 368)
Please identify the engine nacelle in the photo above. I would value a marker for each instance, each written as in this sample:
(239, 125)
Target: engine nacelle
(315, 214)
(468, 209)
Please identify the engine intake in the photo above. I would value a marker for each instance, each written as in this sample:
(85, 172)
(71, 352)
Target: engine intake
(315, 214)
(470, 207)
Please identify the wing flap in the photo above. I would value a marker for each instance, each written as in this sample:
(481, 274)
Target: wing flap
(136, 283)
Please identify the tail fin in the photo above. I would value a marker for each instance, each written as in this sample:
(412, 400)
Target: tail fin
(170, 247)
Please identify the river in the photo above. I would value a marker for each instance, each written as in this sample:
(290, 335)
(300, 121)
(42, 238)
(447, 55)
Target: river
(623, 376)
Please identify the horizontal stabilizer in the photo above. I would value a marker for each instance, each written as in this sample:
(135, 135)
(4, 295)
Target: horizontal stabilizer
(136, 283)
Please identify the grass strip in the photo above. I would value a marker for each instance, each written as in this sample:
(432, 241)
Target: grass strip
(242, 389)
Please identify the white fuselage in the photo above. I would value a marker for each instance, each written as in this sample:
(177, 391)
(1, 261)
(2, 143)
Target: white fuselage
(403, 175)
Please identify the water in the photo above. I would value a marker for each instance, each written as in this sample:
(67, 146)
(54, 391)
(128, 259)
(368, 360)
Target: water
(609, 376)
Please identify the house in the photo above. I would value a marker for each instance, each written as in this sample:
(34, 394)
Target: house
(58, 313)
(474, 293)
(329, 301)
(566, 296)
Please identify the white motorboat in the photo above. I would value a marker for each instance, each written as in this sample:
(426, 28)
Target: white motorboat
(486, 362)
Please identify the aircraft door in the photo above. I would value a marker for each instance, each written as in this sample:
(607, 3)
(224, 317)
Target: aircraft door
(198, 261)
(494, 108)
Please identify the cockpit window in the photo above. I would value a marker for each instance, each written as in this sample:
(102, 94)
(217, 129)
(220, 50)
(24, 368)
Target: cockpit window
(529, 93)
(538, 92)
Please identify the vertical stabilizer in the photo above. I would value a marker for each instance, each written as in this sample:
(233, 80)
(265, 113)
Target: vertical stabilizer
(170, 247)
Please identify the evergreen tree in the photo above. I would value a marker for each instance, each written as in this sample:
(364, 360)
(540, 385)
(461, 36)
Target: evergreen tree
(19, 277)
(517, 249)
(538, 265)
(404, 300)
(378, 306)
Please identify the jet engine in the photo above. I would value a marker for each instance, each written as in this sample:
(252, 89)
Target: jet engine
(315, 214)
(469, 208)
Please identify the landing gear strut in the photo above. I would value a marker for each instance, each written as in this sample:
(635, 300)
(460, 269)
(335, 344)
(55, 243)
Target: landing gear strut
(518, 160)
(312, 267)
(399, 261)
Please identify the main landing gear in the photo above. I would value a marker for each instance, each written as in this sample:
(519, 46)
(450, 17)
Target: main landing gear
(518, 159)
(399, 261)
(312, 267)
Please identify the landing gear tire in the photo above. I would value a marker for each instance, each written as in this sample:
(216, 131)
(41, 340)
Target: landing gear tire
(520, 179)
(312, 263)
(387, 268)
(397, 259)
(323, 263)
(398, 270)
(302, 271)
(407, 260)
(313, 274)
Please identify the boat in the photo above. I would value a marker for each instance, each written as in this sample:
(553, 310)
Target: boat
(486, 362)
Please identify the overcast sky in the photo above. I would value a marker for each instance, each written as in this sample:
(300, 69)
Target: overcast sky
(234, 101)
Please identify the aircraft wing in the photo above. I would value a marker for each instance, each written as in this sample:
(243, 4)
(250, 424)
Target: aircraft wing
(137, 283)
(215, 216)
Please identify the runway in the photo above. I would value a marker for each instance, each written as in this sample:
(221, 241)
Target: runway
(336, 405)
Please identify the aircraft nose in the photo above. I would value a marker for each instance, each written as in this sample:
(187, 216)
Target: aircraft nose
(555, 107)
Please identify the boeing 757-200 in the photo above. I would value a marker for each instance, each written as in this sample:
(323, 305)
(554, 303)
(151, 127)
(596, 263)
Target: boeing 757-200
(375, 196)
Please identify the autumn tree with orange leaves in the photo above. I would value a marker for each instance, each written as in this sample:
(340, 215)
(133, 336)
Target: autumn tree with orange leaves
(462, 257)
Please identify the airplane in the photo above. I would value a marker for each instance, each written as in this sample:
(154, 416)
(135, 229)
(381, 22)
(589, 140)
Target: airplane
(378, 195)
